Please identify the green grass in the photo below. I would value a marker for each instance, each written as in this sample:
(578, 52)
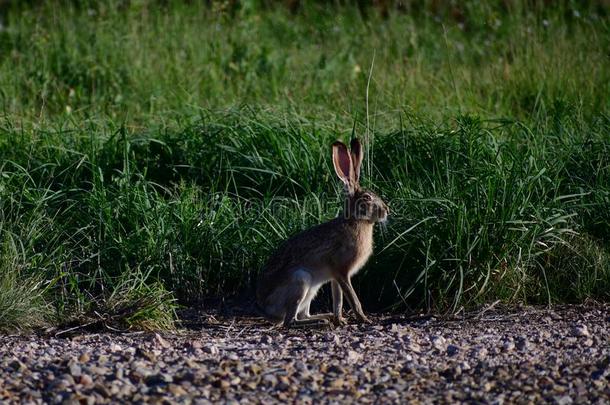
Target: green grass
(22, 297)
(153, 152)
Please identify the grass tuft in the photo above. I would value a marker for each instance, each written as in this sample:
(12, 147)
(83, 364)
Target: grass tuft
(23, 303)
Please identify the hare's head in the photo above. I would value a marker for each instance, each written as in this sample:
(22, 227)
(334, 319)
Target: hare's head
(360, 204)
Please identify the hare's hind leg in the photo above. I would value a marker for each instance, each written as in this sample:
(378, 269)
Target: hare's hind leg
(334, 318)
(305, 318)
(295, 291)
(303, 311)
(297, 299)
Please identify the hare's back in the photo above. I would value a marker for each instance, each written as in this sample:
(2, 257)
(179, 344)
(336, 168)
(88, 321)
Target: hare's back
(310, 250)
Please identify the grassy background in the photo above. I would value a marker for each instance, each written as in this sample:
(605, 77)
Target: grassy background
(156, 152)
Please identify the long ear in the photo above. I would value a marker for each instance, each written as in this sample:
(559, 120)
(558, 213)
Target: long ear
(357, 155)
(342, 162)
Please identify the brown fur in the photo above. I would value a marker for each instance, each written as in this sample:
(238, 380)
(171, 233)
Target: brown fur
(339, 243)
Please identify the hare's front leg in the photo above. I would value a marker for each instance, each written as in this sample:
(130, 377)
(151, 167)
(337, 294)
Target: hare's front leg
(337, 303)
(346, 286)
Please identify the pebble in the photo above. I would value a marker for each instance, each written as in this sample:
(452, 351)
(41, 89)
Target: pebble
(161, 341)
(508, 346)
(581, 331)
(452, 350)
(438, 342)
(522, 343)
(86, 380)
(157, 379)
(211, 349)
(75, 370)
(176, 390)
(17, 365)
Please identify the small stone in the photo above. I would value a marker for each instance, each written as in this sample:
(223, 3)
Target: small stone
(452, 350)
(393, 394)
(69, 379)
(545, 382)
(17, 365)
(140, 373)
(408, 369)
(438, 342)
(224, 384)
(337, 383)
(99, 370)
(102, 390)
(336, 369)
(522, 344)
(146, 354)
(60, 384)
(161, 341)
(75, 370)
(353, 356)
(564, 400)
(190, 363)
(282, 386)
(266, 339)
(87, 399)
(270, 379)
(211, 349)
(115, 348)
(84, 358)
(414, 347)
(255, 368)
(304, 399)
(85, 380)
(580, 331)
(176, 390)
(158, 379)
(480, 353)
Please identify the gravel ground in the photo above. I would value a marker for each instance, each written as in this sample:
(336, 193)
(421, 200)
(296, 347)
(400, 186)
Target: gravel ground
(526, 355)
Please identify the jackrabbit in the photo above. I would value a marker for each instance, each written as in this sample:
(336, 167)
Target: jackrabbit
(333, 251)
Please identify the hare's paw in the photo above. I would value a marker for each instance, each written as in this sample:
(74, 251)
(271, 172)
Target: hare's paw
(364, 319)
(339, 321)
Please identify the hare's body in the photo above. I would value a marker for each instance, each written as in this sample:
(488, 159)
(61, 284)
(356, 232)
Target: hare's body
(333, 251)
